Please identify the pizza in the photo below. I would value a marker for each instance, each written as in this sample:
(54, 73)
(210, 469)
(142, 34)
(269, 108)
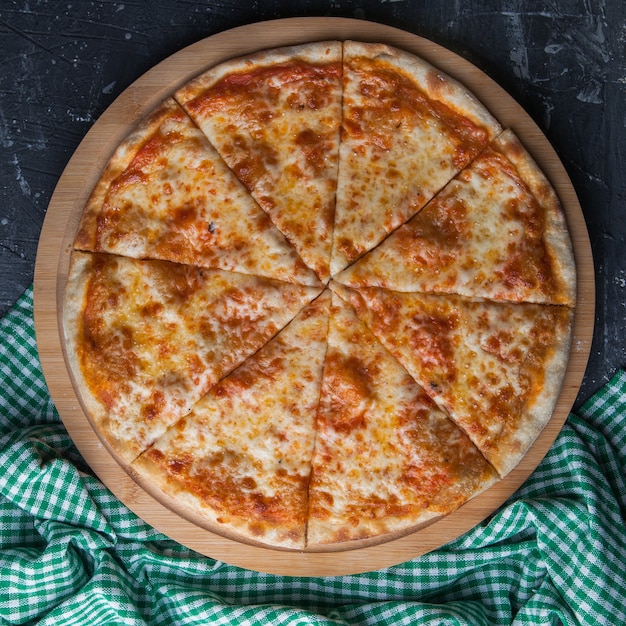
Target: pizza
(385, 455)
(452, 247)
(276, 118)
(319, 297)
(246, 446)
(405, 124)
(489, 364)
(167, 194)
(151, 337)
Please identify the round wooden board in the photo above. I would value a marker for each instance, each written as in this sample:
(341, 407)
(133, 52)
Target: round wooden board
(60, 226)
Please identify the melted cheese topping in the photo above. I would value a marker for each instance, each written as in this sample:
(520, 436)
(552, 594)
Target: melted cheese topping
(277, 127)
(485, 363)
(244, 452)
(370, 416)
(386, 458)
(399, 147)
(177, 200)
(152, 336)
(484, 236)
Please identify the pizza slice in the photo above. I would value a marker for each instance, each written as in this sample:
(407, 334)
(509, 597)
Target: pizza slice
(407, 130)
(146, 339)
(166, 194)
(241, 458)
(493, 367)
(495, 231)
(386, 459)
(275, 116)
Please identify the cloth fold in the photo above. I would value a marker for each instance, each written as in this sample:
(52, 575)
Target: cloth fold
(71, 553)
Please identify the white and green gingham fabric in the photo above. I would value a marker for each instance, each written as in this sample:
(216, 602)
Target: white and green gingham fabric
(71, 553)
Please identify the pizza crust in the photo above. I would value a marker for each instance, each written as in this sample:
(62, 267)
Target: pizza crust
(439, 86)
(86, 236)
(556, 233)
(540, 407)
(316, 53)
(73, 307)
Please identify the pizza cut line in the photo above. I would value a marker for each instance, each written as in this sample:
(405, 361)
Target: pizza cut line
(320, 296)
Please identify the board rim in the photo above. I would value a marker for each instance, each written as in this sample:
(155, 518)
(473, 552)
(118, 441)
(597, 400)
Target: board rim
(52, 265)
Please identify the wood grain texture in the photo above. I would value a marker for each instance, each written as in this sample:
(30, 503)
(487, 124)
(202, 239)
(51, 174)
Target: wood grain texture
(60, 226)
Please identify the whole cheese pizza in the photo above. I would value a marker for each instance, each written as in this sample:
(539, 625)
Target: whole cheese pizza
(320, 296)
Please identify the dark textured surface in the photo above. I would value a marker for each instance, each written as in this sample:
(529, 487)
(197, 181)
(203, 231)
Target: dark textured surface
(63, 63)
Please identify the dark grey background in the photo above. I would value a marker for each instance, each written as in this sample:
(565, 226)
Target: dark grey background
(63, 63)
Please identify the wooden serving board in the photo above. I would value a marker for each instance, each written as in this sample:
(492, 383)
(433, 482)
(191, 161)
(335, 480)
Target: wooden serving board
(60, 226)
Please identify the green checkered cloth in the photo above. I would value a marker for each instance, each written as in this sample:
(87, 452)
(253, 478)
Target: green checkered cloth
(71, 553)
